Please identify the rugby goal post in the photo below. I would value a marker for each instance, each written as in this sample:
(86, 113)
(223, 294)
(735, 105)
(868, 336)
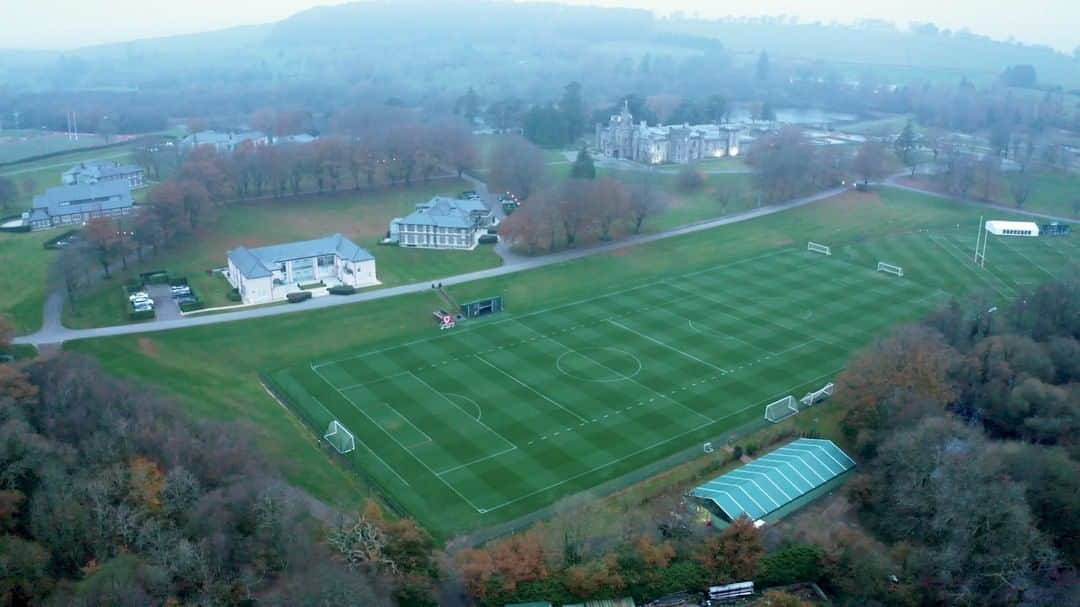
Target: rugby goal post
(889, 268)
(782, 409)
(340, 438)
(816, 247)
(815, 397)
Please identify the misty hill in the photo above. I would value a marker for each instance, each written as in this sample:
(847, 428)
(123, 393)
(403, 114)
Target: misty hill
(429, 43)
(925, 51)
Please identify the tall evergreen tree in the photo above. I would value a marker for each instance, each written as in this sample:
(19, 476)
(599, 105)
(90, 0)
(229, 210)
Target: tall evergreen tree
(763, 66)
(905, 146)
(573, 108)
(583, 168)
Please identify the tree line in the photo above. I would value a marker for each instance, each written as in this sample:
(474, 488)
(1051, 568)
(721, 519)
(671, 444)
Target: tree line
(110, 495)
(968, 424)
(370, 150)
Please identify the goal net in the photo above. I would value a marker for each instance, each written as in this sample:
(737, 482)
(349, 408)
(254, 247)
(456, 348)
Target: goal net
(815, 397)
(781, 409)
(815, 247)
(339, 438)
(888, 268)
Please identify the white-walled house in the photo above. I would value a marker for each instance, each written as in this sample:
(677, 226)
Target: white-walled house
(266, 274)
(222, 142)
(443, 223)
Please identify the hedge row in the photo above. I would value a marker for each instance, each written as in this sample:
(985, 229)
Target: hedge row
(51, 243)
(342, 290)
(143, 315)
(298, 297)
(189, 306)
(488, 239)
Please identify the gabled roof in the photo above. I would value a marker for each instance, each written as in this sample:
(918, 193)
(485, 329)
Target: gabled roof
(776, 479)
(446, 212)
(216, 138)
(103, 169)
(260, 262)
(67, 199)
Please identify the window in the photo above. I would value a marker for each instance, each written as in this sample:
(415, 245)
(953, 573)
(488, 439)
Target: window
(326, 261)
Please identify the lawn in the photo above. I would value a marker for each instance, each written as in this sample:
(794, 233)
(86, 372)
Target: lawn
(1054, 193)
(686, 207)
(363, 217)
(755, 272)
(16, 145)
(23, 281)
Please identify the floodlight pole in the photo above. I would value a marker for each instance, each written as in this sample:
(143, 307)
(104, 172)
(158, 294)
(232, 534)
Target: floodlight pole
(978, 238)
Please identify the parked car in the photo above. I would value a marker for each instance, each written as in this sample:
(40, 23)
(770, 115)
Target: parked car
(138, 295)
(180, 290)
(143, 307)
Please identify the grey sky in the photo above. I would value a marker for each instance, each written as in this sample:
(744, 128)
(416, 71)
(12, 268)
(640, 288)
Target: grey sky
(73, 23)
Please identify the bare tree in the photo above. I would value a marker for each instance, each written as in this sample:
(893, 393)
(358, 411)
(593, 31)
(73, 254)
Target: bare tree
(1022, 185)
(517, 166)
(644, 202)
(870, 162)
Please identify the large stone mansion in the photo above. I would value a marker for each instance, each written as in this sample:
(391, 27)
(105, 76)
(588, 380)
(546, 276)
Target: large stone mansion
(621, 138)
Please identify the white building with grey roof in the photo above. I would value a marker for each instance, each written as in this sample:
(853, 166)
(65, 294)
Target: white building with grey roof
(266, 274)
(223, 142)
(104, 171)
(443, 223)
(76, 204)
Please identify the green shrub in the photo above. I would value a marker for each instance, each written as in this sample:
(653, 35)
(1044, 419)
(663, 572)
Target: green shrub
(51, 243)
(157, 277)
(737, 453)
(752, 449)
(298, 297)
(488, 239)
(493, 230)
(234, 295)
(342, 290)
(144, 315)
(791, 564)
(313, 285)
(189, 306)
(134, 285)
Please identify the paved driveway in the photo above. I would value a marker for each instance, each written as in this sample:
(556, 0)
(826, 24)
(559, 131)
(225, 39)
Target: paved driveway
(165, 307)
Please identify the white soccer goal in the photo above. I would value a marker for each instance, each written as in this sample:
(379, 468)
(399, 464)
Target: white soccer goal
(888, 268)
(340, 438)
(781, 409)
(815, 247)
(815, 397)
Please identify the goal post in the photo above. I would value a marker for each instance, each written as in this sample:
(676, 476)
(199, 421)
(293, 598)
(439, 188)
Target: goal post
(815, 397)
(889, 268)
(816, 247)
(340, 438)
(782, 409)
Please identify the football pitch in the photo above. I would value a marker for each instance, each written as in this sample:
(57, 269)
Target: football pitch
(485, 423)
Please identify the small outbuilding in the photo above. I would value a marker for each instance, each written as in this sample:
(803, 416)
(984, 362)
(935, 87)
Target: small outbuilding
(999, 227)
(777, 482)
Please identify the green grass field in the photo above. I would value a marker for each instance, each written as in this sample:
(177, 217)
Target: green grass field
(495, 422)
(23, 282)
(364, 217)
(16, 145)
(755, 272)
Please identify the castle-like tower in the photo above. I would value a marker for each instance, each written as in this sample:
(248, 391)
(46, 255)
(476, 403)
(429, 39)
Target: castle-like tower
(621, 138)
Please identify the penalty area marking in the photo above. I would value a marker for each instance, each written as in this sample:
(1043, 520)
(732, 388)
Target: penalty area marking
(479, 411)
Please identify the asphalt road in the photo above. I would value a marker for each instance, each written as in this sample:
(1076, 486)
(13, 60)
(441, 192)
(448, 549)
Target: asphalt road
(54, 333)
